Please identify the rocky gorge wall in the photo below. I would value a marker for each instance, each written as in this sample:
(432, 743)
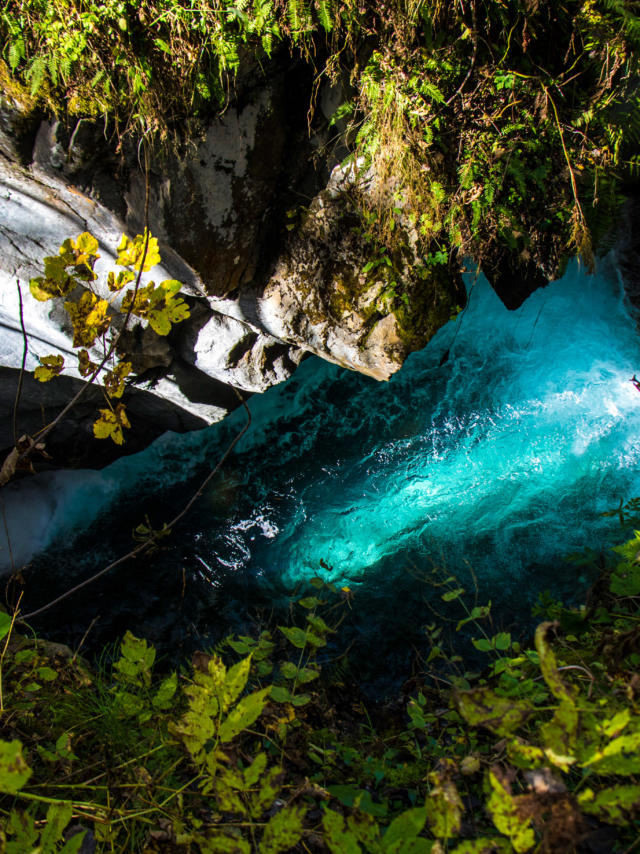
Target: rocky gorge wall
(263, 235)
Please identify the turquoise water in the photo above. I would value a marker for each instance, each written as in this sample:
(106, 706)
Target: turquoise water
(498, 463)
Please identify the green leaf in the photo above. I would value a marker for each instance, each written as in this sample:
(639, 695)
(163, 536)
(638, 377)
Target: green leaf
(47, 674)
(310, 602)
(129, 704)
(548, 665)
(255, 770)
(404, 827)
(450, 595)
(235, 682)
(50, 367)
(480, 612)
(482, 707)
(58, 817)
(337, 836)
(242, 646)
(625, 579)
(358, 798)
(559, 735)
(319, 625)
(243, 715)
(443, 806)
(289, 670)
(615, 805)
(14, 771)
(482, 644)
(502, 641)
(137, 659)
(74, 844)
(283, 831)
(280, 694)
(503, 808)
(497, 845)
(63, 746)
(295, 636)
(222, 843)
(307, 674)
(5, 627)
(619, 756)
(165, 693)
(315, 640)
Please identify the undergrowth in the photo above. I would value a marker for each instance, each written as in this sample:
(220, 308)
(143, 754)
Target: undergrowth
(505, 132)
(265, 744)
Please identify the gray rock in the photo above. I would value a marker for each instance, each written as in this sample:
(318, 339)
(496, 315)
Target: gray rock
(260, 297)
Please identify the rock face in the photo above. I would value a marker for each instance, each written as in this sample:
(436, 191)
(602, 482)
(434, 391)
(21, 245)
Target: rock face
(267, 281)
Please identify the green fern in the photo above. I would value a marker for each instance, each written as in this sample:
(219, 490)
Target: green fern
(16, 54)
(37, 73)
(323, 9)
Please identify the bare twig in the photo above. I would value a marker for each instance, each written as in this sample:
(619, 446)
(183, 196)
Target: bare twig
(25, 350)
(151, 539)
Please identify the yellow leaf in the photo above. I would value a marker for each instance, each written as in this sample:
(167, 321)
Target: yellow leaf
(89, 318)
(85, 365)
(50, 367)
(110, 423)
(159, 305)
(131, 252)
(81, 254)
(56, 282)
(114, 381)
(116, 283)
(87, 244)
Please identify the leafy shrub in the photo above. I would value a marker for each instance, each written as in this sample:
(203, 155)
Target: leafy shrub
(266, 753)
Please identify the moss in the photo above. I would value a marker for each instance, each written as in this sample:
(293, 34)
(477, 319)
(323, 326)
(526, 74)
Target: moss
(12, 89)
(432, 301)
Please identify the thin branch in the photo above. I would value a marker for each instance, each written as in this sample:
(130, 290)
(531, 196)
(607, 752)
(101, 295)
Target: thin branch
(25, 350)
(151, 539)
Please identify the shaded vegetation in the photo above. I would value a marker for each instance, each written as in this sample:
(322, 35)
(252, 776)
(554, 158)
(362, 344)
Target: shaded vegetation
(264, 745)
(492, 129)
